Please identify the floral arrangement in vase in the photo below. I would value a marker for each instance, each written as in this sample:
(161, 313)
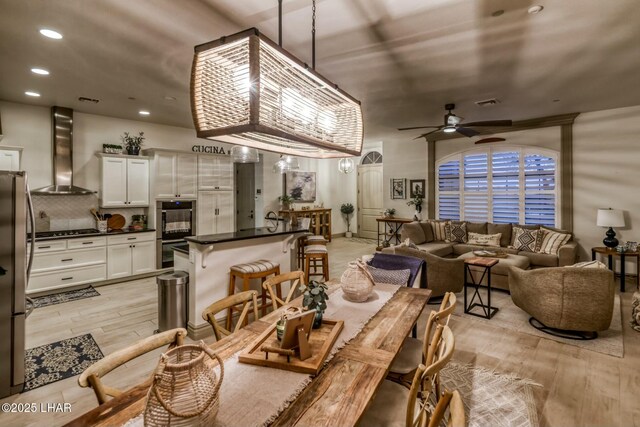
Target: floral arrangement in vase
(133, 143)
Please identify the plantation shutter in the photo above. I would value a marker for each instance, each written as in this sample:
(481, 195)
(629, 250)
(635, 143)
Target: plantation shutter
(539, 190)
(505, 184)
(476, 187)
(449, 190)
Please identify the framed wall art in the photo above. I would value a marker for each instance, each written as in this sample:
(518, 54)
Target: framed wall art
(416, 188)
(301, 186)
(398, 188)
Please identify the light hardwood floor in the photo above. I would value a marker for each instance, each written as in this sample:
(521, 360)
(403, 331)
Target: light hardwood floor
(580, 387)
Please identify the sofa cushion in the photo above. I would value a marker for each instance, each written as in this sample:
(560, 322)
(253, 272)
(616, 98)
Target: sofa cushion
(504, 229)
(441, 249)
(463, 248)
(484, 239)
(527, 226)
(540, 260)
(477, 227)
(439, 232)
(524, 239)
(502, 267)
(428, 232)
(409, 244)
(456, 232)
(413, 231)
(549, 241)
(588, 264)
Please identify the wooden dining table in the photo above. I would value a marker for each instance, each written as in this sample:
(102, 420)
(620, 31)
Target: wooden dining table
(337, 396)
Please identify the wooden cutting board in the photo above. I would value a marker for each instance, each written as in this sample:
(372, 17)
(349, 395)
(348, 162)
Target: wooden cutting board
(116, 222)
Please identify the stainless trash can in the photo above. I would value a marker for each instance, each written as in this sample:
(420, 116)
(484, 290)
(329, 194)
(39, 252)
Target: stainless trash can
(173, 300)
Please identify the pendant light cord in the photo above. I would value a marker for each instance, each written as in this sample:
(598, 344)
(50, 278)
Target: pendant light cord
(313, 34)
(280, 23)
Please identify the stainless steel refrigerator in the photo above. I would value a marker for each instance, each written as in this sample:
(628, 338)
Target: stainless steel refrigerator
(15, 211)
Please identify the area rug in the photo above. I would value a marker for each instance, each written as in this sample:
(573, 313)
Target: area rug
(61, 297)
(512, 317)
(62, 359)
(492, 399)
(362, 240)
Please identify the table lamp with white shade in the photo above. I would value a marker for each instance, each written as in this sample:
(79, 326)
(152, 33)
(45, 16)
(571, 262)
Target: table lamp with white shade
(610, 218)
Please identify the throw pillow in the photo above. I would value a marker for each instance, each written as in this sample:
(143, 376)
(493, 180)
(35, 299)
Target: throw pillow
(588, 264)
(413, 231)
(409, 244)
(485, 239)
(428, 232)
(523, 239)
(549, 241)
(438, 228)
(393, 277)
(456, 232)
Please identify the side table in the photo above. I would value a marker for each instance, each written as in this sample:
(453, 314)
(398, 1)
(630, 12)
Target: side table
(392, 228)
(485, 264)
(610, 253)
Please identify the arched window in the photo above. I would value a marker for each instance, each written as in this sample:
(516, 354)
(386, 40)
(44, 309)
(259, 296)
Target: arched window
(371, 158)
(499, 185)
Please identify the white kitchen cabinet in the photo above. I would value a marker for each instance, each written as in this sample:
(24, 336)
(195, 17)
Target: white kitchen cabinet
(10, 158)
(175, 175)
(124, 181)
(118, 261)
(143, 259)
(130, 254)
(215, 173)
(215, 212)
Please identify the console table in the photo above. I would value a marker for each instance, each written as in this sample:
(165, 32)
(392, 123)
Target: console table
(320, 220)
(610, 253)
(391, 229)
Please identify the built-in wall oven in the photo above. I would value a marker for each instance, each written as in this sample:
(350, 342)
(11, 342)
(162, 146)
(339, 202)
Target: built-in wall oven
(175, 220)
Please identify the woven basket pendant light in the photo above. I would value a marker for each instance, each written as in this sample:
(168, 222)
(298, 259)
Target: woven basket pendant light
(247, 90)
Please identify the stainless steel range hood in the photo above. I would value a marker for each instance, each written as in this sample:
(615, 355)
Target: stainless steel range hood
(62, 131)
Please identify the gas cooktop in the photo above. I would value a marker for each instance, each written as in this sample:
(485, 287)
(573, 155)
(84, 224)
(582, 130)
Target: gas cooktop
(66, 233)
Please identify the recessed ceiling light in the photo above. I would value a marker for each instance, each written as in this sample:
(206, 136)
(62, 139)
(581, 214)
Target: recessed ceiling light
(170, 98)
(498, 12)
(535, 9)
(50, 33)
(556, 100)
(40, 71)
(131, 98)
(31, 93)
(143, 113)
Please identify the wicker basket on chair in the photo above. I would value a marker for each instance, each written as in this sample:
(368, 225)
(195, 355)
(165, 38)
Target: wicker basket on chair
(185, 390)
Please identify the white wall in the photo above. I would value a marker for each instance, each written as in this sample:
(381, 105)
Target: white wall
(403, 159)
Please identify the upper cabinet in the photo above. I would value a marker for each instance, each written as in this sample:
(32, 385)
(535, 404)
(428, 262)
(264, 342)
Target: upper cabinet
(175, 175)
(10, 158)
(124, 181)
(215, 173)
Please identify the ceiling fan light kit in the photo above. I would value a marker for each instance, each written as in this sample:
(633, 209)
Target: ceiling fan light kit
(247, 90)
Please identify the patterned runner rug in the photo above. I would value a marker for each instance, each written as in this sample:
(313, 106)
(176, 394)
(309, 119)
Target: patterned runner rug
(492, 399)
(62, 359)
(61, 297)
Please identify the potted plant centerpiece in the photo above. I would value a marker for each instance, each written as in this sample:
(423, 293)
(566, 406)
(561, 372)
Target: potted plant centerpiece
(285, 201)
(389, 213)
(347, 210)
(133, 143)
(315, 298)
(417, 202)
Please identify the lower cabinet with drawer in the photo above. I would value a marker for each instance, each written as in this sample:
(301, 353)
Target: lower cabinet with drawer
(130, 255)
(68, 277)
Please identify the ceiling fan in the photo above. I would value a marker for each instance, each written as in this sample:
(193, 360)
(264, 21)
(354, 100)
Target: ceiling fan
(453, 123)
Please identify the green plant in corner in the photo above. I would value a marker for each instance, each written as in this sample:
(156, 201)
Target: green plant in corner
(347, 210)
(417, 202)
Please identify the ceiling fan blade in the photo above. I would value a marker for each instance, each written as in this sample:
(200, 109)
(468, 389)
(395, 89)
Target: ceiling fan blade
(487, 140)
(466, 131)
(426, 134)
(419, 127)
(495, 123)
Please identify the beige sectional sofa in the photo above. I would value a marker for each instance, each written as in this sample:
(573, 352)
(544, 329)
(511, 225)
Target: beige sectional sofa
(421, 234)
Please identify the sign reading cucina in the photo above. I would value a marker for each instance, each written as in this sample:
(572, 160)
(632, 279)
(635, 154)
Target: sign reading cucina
(209, 149)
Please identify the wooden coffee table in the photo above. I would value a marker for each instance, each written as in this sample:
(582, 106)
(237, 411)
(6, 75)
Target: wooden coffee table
(485, 264)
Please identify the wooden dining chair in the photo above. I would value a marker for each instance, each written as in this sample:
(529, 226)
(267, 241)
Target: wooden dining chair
(92, 376)
(248, 300)
(273, 287)
(415, 351)
(453, 402)
(394, 402)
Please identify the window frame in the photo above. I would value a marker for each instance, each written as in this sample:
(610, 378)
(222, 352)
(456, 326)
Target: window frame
(523, 151)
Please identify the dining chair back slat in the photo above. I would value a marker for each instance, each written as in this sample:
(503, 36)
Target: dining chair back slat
(248, 300)
(273, 284)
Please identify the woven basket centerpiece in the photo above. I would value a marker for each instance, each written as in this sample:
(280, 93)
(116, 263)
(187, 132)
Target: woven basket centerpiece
(185, 389)
(357, 283)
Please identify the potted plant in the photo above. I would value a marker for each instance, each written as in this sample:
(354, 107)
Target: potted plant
(315, 298)
(286, 201)
(389, 213)
(417, 202)
(347, 210)
(133, 143)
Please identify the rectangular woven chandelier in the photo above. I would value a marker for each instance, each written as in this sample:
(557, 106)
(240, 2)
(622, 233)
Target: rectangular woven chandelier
(247, 90)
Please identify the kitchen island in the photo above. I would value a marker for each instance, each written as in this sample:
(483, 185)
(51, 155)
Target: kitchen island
(210, 257)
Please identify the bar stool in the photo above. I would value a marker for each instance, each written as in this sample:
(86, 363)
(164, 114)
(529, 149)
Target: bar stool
(312, 255)
(260, 269)
(307, 241)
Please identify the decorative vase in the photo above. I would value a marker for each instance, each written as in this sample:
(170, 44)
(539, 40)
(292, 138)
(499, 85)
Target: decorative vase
(133, 150)
(317, 320)
(356, 282)
(185, 391)
(348, 234)
(417, 216)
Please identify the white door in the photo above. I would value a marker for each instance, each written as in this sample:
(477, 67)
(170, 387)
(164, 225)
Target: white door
(206, 212)
(143, 257)
(138, 182)
(114, 182)
(118, 261)
(225, 216)
(187, 176)
(165, 176)
(370, 199)
(9, 160)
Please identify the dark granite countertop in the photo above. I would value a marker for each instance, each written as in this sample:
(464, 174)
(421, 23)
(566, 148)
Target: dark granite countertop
(250, 233)
(77, 236)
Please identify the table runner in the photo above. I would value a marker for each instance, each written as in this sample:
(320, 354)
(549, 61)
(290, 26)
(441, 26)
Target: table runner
(254, 395)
